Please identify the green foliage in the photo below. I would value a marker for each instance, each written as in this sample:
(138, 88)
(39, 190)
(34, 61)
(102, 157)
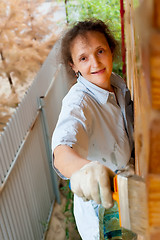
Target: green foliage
(68, 210)
(45, 225)
(106, 10)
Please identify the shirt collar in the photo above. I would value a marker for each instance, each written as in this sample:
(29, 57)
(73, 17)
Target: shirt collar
(118, 82)
(100, 94)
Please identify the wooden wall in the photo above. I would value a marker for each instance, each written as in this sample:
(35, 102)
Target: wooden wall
(142, 32)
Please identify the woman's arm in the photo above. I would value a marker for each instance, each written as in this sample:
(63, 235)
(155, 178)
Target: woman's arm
(89, 180)
(67, 161)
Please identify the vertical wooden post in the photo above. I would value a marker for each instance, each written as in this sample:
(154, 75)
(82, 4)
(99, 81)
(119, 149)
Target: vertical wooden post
(154, 157)
(142, 25)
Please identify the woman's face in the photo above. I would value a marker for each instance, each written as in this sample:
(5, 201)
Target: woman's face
(92, 57)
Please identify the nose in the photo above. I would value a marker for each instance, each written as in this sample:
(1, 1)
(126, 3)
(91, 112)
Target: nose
(94, 61)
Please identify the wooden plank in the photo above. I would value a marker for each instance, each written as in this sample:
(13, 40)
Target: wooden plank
(145, 71)
(155, 233)
(154, 163)
(155, 69)
(156, 16)
(153, 183)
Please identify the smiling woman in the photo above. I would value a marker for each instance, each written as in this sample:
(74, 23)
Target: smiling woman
(94, 124)
(94, 60)
(81, 29)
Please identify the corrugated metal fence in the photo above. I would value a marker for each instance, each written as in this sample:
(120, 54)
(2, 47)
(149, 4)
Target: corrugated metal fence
(28, 184)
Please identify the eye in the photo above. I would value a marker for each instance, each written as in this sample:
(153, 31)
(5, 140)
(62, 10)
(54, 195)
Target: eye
(82, 59)
(100, 51)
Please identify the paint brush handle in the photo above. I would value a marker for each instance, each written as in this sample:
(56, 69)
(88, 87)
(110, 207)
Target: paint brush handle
(115, 192)
(115, 195)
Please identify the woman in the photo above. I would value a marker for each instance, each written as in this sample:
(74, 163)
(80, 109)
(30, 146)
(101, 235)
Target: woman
(93, 136)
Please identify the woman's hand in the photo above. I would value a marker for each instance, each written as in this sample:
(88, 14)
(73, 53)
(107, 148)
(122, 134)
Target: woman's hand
(93, 182)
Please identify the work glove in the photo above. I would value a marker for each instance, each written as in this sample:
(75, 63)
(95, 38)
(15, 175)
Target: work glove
(93, 182)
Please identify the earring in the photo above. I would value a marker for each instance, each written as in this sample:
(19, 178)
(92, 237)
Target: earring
(77, 74)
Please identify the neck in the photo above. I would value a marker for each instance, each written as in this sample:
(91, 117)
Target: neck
(111, 89)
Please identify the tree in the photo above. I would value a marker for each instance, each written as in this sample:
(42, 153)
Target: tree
(27, 34)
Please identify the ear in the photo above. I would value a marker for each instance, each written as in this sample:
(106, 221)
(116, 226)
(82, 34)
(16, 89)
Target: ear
(73, 67)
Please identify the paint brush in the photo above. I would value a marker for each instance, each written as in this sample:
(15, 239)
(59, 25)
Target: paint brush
(130, 193)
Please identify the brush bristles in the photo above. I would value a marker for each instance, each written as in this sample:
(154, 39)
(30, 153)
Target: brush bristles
(137, 198)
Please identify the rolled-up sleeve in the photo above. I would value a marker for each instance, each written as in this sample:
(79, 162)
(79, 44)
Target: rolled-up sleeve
(73, 126)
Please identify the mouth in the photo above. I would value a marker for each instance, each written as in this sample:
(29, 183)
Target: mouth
(99, 71)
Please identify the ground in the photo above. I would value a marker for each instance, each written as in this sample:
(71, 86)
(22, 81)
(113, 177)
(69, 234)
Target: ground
(62, 225)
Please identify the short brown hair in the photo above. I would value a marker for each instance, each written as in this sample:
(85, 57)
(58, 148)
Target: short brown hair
(81, 28)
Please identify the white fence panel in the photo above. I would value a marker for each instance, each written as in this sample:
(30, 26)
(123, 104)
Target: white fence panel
(28, 186)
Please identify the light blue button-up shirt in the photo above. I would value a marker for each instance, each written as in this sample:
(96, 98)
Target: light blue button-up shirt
(96, 123)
